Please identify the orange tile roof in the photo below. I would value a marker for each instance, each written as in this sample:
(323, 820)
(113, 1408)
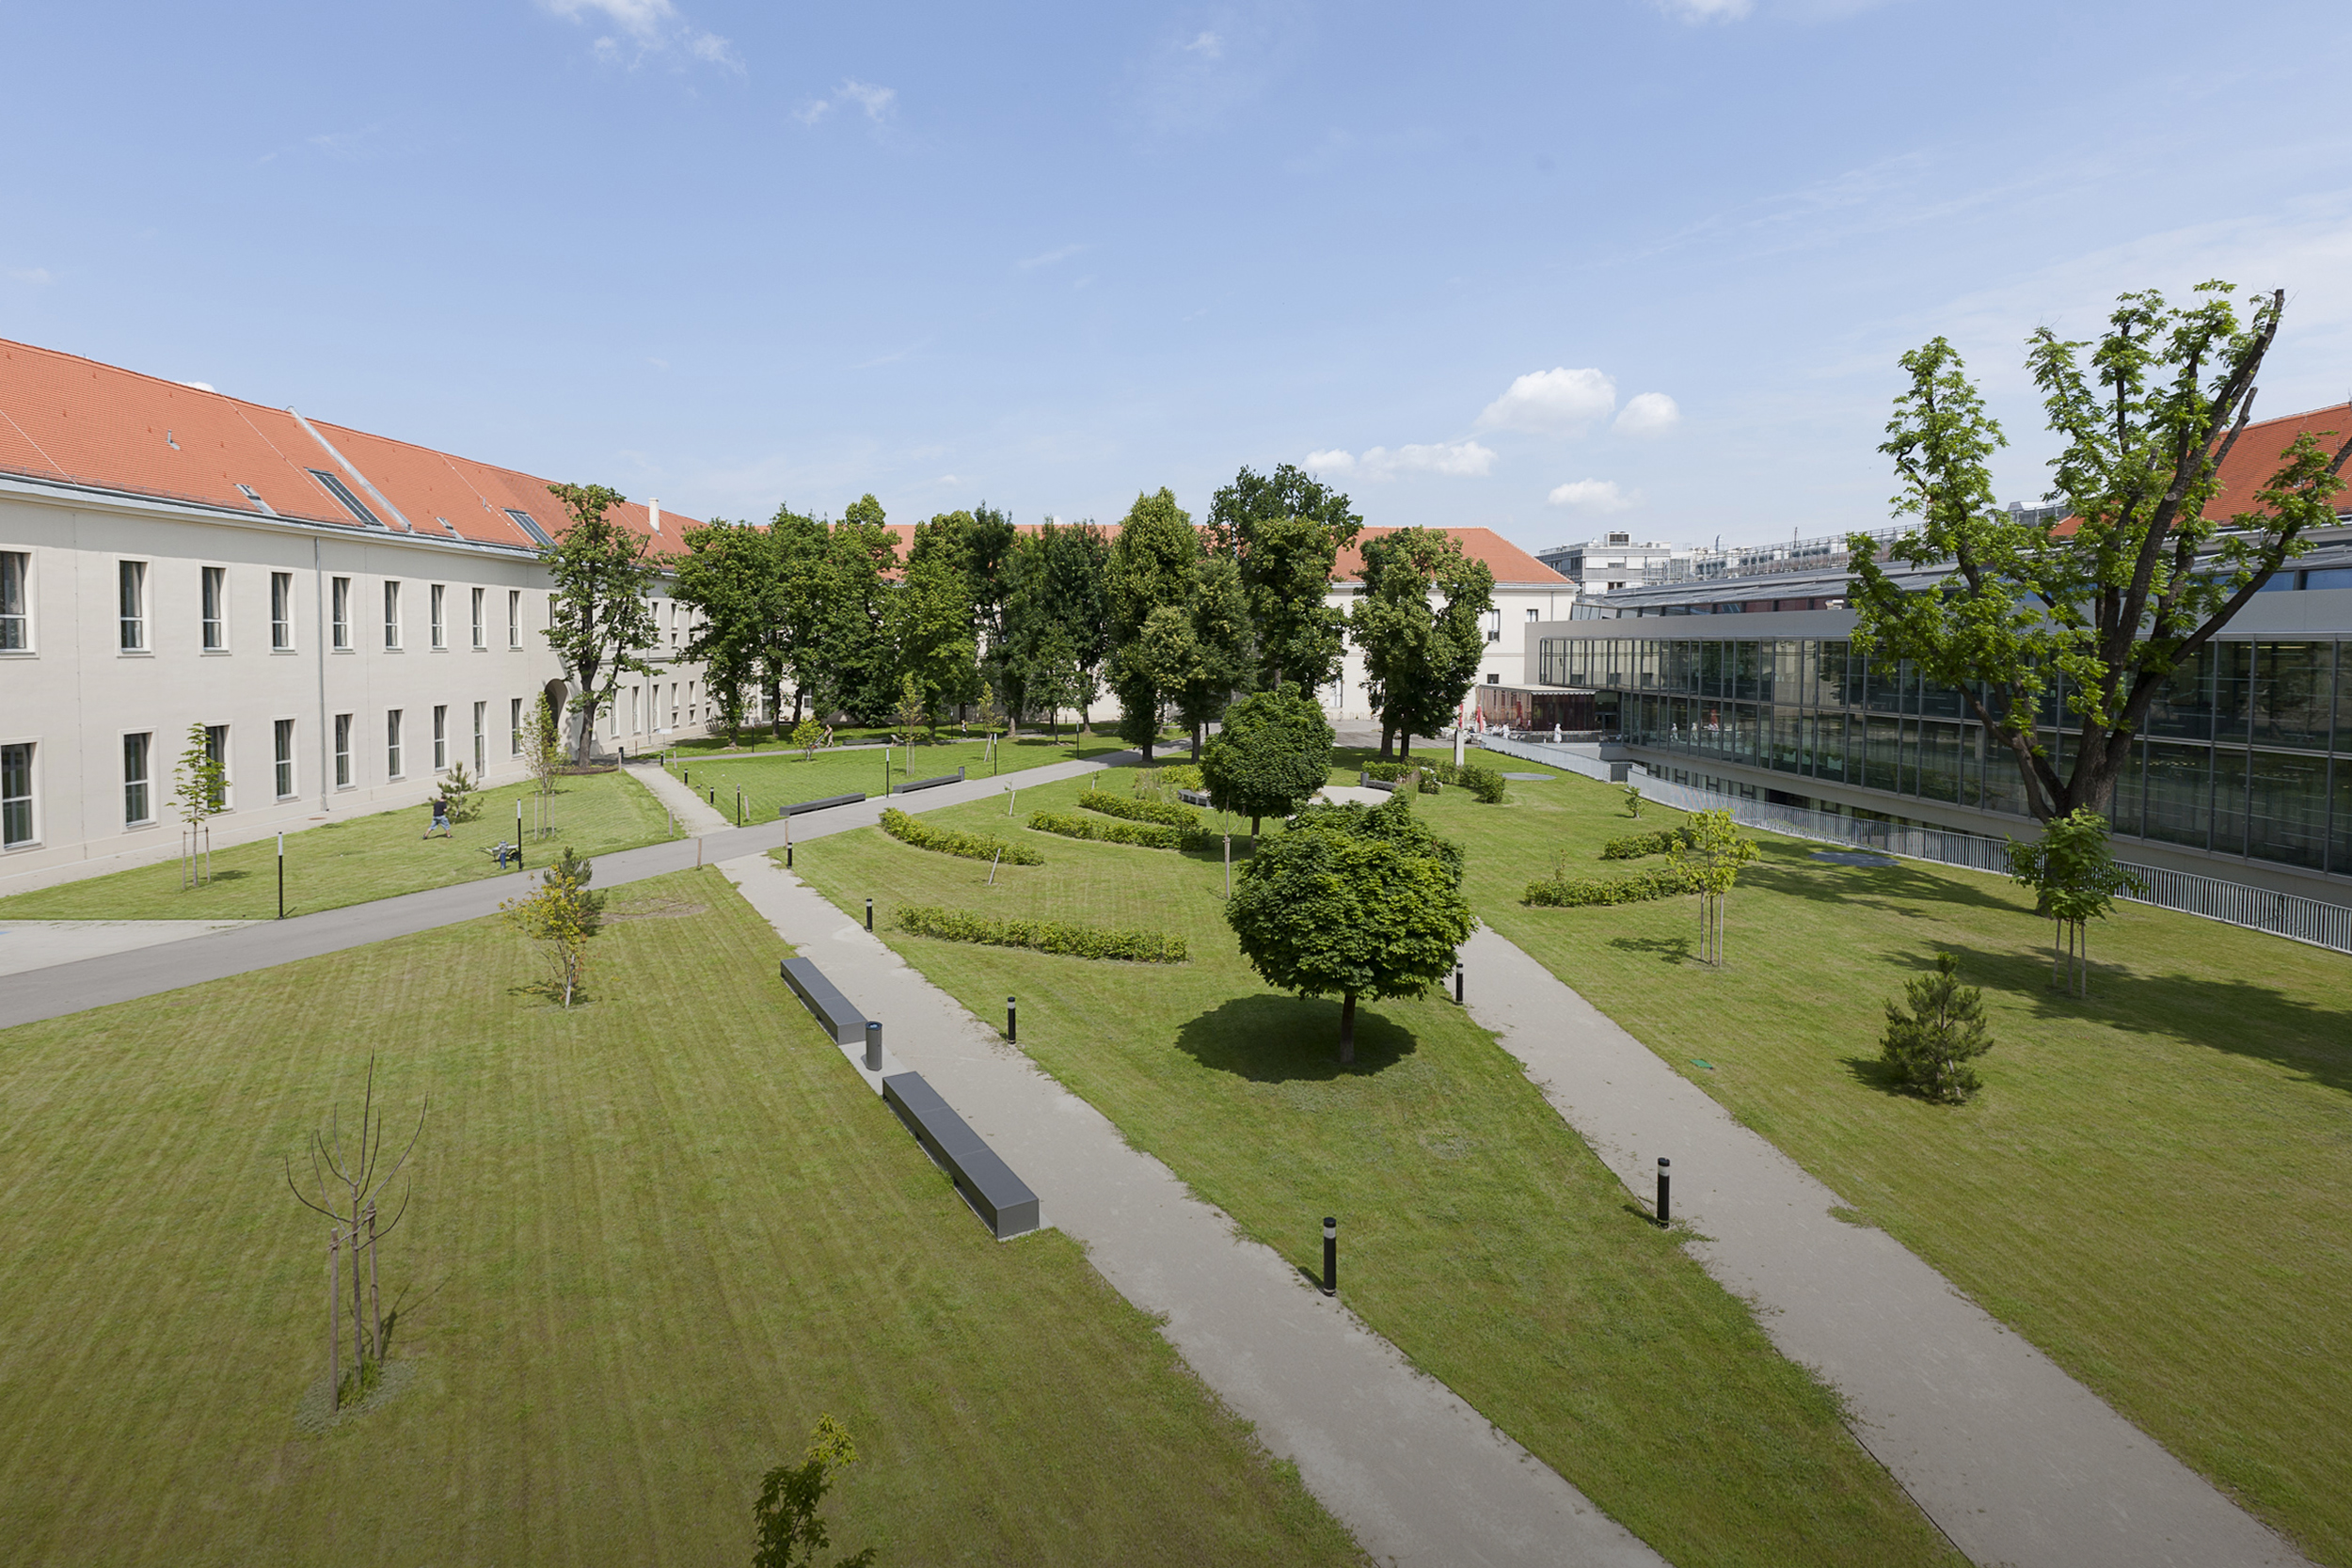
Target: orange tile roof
(2255, 457)
(72, 418)
(1509, 563)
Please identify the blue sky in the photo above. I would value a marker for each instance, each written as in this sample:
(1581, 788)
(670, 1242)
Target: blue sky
(1638, 265)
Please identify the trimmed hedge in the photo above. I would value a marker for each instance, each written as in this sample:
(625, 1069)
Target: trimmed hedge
(1484, 784)
(1140, 810)
(1068, 824)
(1665, 841)
(1043, 936)
(1660, 882)
(947, 841)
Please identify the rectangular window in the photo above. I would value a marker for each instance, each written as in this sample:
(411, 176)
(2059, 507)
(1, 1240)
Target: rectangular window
(391, 615)
(2291, 686)
(476, 620)
(216, 749)
(131, 578)
(391, 743)
(351, 503)
(2288, 807)
(342, 750)
(513, 618)
(16, 631)
(437, 597)
(480, 756)
(282, 610)
(440, 737)
(513, 726)
(16, 795)
(282, 755)
(214, 580)
(632, 710)
(137, 807)
(343, 613)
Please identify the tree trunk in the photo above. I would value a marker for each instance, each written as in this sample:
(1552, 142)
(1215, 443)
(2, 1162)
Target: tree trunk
(1405, 744)
(1253, 831)
(1387, 743)
(1196, 745)
(1347, 1028)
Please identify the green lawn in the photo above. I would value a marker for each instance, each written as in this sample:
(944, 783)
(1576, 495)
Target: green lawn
(2155, 1186)
(355, 859)
(772, 779)
(1479, 1234)
(757, 741)
(653, 1238)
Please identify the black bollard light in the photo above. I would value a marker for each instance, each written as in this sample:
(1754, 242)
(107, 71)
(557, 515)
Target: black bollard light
(1012, 1033)
(1457, 985)
(788, 857)
(873, 1046)
(714, 795)
(1330, 1255)
(1665, 1179)
(870, 914)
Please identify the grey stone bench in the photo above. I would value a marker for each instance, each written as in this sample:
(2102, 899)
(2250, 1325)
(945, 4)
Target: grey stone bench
(1002, 1199)
(819, 805)
(956, 777)
(1366, 780)
(1193, 797)
(822, 997)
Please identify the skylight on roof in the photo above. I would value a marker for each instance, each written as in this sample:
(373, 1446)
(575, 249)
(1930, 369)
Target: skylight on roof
(335, 488)
(524, 521)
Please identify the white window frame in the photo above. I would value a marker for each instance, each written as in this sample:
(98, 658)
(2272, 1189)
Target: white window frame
(281, 612)
(439, 597)
(143, 781)
(131, 607)
(29, 801)
(513, 726)
(514, 617)
(340, 596)
(213, 606)
(440, 738)
(391, 615)
(283, 757)
(344, 776)
(481, 631)
(217, 747)
(16, 625)
(394, 720)
(481, 745)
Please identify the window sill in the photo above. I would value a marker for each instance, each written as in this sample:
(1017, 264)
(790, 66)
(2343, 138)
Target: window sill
(135, 652)
(12, 848)
(214, 652)
(286, 653)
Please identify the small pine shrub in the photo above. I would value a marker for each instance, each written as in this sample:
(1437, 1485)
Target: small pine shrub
(1665, 841)
(1068, 824)
(1560, 891)
(1043, 936)
(1931, 1045)
(1161, 811)
(949, 841)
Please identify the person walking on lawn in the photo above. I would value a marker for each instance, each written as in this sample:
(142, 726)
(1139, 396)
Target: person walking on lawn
(440, 819)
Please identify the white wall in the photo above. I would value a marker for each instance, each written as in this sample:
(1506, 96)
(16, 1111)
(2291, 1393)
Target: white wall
(1515, 607)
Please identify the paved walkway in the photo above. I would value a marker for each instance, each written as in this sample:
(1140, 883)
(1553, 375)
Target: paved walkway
(42, 943)
(69, 987)
(1417, 1474)
(2012, 1458)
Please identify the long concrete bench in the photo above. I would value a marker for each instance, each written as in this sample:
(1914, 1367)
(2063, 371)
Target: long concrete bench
(1365, 781)
(822, 998)
(1193, 797)
(819, 805)
(956, 777)
(1002, 1199)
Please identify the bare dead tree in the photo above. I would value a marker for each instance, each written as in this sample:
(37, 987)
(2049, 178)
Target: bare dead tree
(349, 1178)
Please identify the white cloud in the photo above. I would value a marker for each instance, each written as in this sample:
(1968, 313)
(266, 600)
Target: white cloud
(1696, 11)
(1047, 258)
(651, 28)
(199, 386)
(35, 275)
(1454, 459)
(1208, 46)
(1592, 495)
(1557, 401)
(638, 17)
(1648, 414)
(875, 101)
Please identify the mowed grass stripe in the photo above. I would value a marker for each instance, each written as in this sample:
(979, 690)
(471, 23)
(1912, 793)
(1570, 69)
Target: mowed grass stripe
(652, 1239)
(2154, 1186)
(1478, 1234)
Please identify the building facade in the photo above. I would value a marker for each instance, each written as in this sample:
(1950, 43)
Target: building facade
(347, 618)
(1527, 593)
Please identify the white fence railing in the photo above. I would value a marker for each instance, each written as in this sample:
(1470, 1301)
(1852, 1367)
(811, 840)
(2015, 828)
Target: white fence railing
(2282, 915)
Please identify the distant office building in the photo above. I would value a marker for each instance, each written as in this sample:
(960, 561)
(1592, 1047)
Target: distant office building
(1604, 565)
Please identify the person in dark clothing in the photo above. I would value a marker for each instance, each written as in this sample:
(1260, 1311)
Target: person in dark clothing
(440, 819)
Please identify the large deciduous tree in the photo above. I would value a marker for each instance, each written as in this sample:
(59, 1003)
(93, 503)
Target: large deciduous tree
(1351, 901)
(930, 623)
(796, 648)
(859, 673)
(1286, 531)
(1150, 568)
(600, 618)
(1057, 607)
(728, 576)
(1271, 755)
(2088, 617)
(1419, 621)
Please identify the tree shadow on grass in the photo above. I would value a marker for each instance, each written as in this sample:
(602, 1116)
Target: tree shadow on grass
(2233, 1015)
(1670, 950)
(1880, 888)
(1289, 1040)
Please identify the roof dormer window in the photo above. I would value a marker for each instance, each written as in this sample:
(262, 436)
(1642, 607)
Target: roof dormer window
(529, 524)
(335, 488)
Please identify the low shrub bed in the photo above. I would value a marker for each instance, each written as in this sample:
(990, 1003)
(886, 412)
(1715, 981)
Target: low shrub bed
(1665, 841)
(1661, 881)
(1043, 936)
(1134, 810)
(1484, 784)
(947, 841)
(1068, 824)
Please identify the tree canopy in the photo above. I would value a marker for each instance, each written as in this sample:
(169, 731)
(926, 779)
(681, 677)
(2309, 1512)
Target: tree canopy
(1352, 901)
(1150, 568)
(1270, 758)
(1286, 531)
(1057, 616)
(1421, 656)
(2086, 619)
(728, 576)
(599, 617)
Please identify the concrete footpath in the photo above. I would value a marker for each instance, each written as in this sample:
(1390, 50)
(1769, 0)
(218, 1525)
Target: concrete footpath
(2014, 1460)
(26, 944)
(58, 989)
(1416, 1473)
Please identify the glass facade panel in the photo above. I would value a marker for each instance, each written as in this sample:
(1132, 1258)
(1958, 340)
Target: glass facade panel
(2233, 690)
(2292, 682)
(2178, 786)
(2340, 819)
(1940, 702)
(1788, 743)
(2287, 808)
(2128, 811)
(1882, 690)
(2230, 772)
(1880, 756)
(1939, 760)
(1747, 671)
(2183, 708)
(1829, 676)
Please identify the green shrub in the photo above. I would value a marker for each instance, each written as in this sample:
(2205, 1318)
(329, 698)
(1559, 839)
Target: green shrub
(1161, 812)
(1560, 891)
(1929, 1045)
(1484, 784)
(1182, 775)
(947, 841)
(1068, 824)
(1044, 935)
(1665, 841)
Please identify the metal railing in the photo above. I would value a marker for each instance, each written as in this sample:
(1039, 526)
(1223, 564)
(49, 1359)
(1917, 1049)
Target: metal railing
(2255, 909)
